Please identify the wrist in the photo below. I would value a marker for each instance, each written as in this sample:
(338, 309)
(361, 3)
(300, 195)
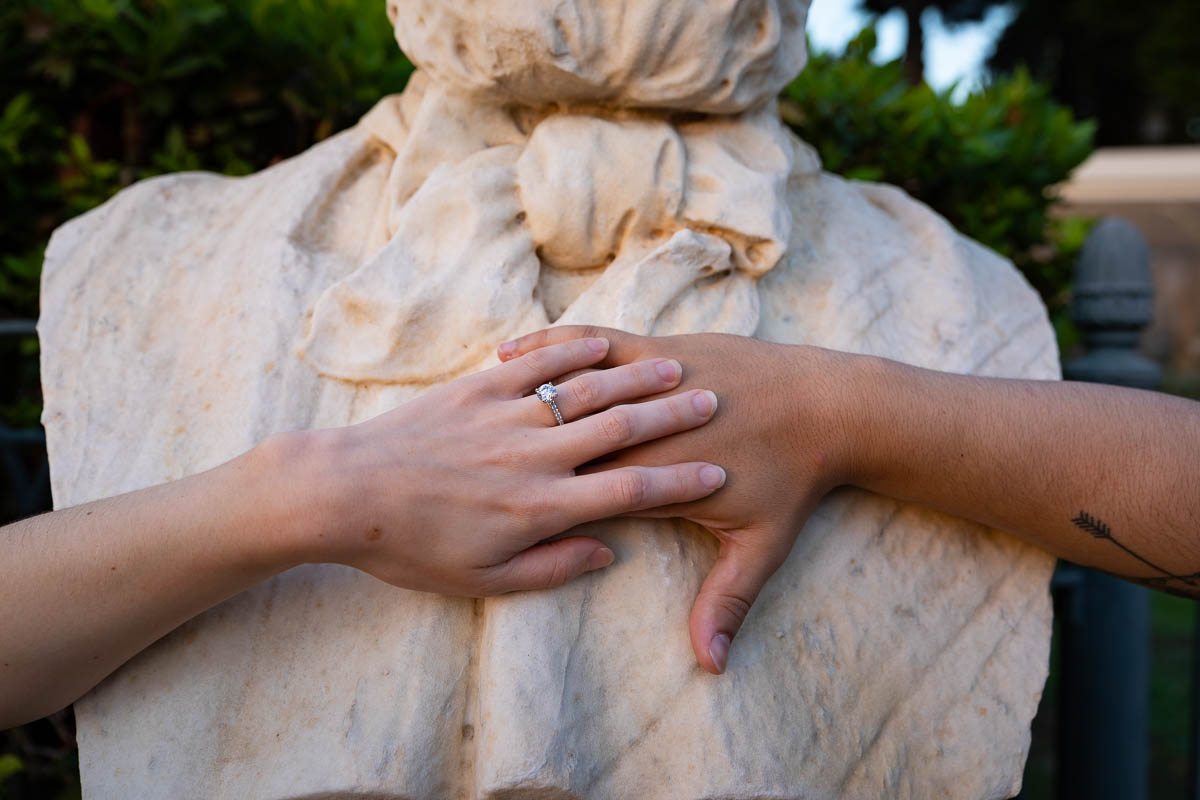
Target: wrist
(836, 409)
(292, 482)
(878, 414)
(819, 417)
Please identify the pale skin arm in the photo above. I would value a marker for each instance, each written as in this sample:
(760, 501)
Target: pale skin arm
(454, 492)
(1100, 475)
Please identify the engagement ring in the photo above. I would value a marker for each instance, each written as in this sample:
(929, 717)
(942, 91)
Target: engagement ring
(546, 393)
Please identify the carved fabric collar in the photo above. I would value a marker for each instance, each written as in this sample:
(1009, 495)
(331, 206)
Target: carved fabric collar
(483, 217)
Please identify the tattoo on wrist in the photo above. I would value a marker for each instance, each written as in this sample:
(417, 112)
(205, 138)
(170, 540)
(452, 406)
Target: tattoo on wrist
(1166, 581)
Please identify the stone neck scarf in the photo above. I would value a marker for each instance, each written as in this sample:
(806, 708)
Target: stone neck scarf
(655, 221)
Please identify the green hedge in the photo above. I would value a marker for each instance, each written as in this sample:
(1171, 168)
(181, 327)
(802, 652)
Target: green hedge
(95, 94)
(986, 164)
(98, 93)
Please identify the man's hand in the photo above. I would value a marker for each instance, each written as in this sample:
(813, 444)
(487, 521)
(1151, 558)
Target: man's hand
(1100, 475)
(783, 448)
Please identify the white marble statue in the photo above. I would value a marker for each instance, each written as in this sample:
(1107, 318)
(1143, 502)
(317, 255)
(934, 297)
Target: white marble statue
(551, 161)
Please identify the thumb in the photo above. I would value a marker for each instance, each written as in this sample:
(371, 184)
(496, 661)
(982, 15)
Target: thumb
(549, 565)
(724, 600)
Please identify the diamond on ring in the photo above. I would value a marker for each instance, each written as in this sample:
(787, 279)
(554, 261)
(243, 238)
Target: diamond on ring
(547, 392)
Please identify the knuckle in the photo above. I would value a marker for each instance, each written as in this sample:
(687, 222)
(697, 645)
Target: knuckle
(527, 505)
(732, 604)
(686, 483)
(559, 573)
(507, 457)
(647, 376)
(465, 391)
(593, 332)
(536, 361)
(585, 392)
(474, 392)
(616, 426)
(537, 507)
(532, 341)
(681, 410)
(668, 415)
(630, 488)
(492, 581)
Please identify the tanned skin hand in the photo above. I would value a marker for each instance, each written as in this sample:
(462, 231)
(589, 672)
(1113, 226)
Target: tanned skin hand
(1099, 475)
(454, 492)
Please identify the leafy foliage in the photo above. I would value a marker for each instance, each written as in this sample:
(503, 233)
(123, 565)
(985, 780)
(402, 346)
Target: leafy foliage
(104, 92)
(99, 93)
(40, 760)
(9, 765)
(987, 164)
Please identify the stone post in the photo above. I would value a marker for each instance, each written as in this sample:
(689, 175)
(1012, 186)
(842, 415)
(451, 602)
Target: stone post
(1104, 714)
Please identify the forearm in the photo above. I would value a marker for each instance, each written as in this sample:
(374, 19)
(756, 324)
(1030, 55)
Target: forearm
(88, 587)
(1099, 475)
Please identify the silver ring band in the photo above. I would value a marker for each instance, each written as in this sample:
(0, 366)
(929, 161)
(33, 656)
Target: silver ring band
(546, 393)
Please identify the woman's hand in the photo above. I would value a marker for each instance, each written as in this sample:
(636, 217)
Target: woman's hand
(454, 492)
(783, 450)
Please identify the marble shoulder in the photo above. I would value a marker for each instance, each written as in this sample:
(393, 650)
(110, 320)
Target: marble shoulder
(199, 195)
(171, 296)
(157, 219)
(870, 269)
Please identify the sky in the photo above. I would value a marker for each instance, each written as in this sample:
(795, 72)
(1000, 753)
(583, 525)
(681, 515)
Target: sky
(951, 54)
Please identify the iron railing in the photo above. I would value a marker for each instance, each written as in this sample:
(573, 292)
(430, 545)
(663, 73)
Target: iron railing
(23, 467)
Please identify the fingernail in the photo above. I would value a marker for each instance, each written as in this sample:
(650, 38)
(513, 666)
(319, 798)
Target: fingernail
(712, 476)
(669, 370)
(600, 559)
(597, 345)
(718, 651)
(507, 349)
(704, 402)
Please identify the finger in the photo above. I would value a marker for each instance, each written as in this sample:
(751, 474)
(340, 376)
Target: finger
(549, 565)
(620, 491)
(626, 425)
(521, 375)
(599, 389)
(621, 343)
(574, 374)
(724, 601)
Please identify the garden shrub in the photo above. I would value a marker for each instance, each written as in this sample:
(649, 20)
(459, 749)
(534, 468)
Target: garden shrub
(95, 94)
(99, 93)
(986, 164)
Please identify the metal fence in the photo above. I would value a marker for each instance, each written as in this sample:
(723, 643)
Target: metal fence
(1102, 752)
(23, 466)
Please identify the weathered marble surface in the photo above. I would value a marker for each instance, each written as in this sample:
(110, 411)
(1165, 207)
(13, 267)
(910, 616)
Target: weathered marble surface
(898, 653)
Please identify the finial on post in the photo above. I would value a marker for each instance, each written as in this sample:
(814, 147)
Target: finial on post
(1113, 302)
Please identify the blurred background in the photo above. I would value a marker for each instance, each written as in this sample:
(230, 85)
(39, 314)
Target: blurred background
(1021, 122)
